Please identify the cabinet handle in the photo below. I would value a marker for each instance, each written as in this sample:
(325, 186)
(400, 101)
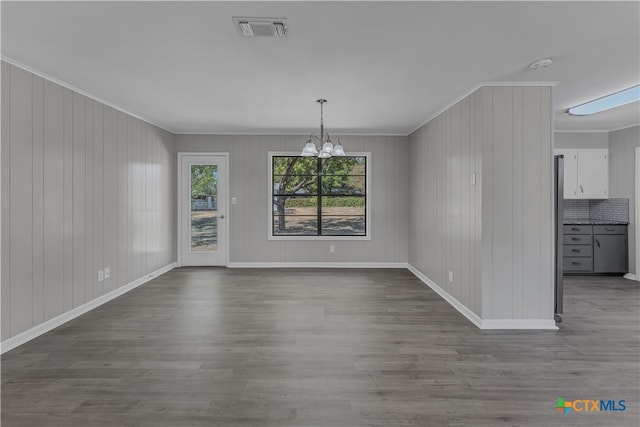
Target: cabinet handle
(575, 239)
(576, 263)
(581, 189)
(610, 228)
(598, 242)
(575, 229)
(575, 251)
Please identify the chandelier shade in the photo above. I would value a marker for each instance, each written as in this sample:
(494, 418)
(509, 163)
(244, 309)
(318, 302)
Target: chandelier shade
(309, 149)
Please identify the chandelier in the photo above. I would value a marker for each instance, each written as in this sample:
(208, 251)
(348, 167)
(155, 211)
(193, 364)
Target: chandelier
(327, 147)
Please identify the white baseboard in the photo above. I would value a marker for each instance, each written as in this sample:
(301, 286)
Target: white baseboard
(447, 297)
(317, 265)
(23, 337)
(632, 277)
(549, 324)
(483, 323)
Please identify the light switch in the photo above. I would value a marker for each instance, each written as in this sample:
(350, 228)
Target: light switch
(100, 275)
(234, 200)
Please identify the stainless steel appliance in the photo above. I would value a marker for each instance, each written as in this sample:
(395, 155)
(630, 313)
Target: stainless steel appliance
(559, 222)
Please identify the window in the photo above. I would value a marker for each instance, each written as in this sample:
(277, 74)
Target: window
(315, 198)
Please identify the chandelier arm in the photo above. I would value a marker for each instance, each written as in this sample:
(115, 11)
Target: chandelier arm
(329, 137)
(314, 135)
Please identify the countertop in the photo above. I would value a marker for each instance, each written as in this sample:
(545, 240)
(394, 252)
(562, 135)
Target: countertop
(590, 221)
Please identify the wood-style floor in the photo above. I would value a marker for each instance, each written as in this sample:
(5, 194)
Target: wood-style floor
(230, 347)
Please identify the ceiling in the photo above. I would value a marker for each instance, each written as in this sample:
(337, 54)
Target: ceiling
(385, 67)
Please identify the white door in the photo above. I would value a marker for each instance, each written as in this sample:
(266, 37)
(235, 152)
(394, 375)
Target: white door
(202, 207)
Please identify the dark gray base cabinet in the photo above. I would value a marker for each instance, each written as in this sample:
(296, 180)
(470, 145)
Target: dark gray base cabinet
(595, 249)
(610, 253)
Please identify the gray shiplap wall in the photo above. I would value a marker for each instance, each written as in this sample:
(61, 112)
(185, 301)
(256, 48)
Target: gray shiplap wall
(581, 140)
(444, 205)
(517, 195)
(496, 236)
(622, 178)
(83, 187)
(248, 181)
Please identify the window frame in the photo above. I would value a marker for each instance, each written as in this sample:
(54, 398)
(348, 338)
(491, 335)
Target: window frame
(271, 236)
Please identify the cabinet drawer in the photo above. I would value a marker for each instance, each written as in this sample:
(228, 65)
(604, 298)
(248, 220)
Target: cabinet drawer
(609, 229)
(578, 264)
(578, 251)
(577, 239)
(577, 229)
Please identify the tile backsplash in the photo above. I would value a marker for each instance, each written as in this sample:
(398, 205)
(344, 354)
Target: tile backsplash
(576, 209)
(608, 209)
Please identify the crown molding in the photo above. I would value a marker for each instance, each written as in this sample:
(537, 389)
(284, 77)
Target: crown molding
(580, 131)
(174, 132)
(624, 127)
(475, 88)
(79, 91)
(597, 130)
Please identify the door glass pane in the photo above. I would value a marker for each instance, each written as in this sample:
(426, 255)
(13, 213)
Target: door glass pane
(204, 208)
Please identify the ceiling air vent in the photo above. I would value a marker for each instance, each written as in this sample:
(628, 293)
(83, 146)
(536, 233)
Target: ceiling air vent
(261, 27)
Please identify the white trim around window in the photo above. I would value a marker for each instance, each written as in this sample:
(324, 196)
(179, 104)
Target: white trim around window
(270, 235)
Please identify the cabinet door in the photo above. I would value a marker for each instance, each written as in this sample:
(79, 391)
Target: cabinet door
(610, 253)
(593, 174)
(570, 173)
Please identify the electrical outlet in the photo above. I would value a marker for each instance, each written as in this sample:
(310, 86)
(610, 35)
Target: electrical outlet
(450, 276)
(473, 179)
(100, 275)
(107, 272)
(332, 249)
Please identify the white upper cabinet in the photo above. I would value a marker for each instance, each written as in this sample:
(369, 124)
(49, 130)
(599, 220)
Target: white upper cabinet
(586, 173)
(593, 174)
(570, 173)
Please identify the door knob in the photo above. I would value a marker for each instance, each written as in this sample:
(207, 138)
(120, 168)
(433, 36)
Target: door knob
(221, 216)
